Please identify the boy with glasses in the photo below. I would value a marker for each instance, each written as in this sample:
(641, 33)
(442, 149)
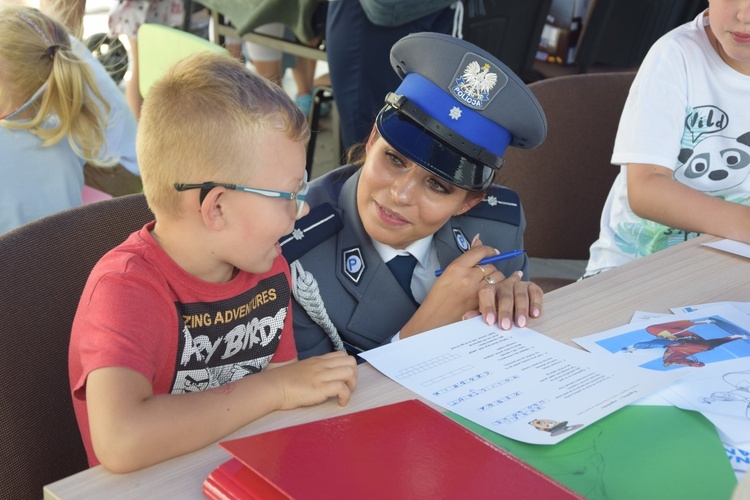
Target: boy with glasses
(172, 321)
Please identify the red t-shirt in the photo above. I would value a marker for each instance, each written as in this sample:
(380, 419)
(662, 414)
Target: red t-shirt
(141, 311)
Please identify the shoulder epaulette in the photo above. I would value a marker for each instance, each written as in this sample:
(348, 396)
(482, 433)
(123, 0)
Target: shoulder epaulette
(310, 231)
(499, 203)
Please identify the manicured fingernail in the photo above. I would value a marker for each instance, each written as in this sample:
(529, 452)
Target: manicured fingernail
(522, 321)
(520, 274)
(535, 312)
(490, 319)
(475, 239)
(505, 323)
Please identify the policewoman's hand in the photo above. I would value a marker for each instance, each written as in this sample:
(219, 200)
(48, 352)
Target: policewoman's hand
(456, 291)
(505, 300)
(508, 300)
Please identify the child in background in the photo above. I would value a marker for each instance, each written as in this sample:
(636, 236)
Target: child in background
(53, 117)
(71, 13)
(683, 142)
(125, 17)
(172, 321)
(268, 63)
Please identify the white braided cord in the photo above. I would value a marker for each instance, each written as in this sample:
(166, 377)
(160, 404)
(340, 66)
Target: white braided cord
(307, 293)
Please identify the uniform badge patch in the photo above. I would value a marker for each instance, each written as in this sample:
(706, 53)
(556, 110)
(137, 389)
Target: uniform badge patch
(461, 242)
(353, 264)
(477, 82)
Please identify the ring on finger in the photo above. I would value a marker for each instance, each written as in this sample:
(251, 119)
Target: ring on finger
(481, 269)
(490, 280)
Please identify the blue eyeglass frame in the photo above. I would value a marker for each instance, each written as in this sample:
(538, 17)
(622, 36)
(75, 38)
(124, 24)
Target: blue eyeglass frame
(298, 197)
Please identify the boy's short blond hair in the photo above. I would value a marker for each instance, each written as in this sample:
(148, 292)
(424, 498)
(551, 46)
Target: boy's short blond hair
(202, 121)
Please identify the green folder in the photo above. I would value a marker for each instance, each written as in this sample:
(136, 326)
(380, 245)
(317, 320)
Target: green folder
(638, 452)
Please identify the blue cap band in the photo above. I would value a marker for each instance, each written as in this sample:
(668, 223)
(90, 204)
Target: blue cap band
(444, 108)
(431, 152)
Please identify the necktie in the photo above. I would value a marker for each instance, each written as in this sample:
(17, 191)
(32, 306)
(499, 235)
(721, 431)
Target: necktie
(402, 267)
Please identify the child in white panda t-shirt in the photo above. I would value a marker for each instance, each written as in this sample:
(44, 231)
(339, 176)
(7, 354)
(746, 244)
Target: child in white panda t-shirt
(683, 142)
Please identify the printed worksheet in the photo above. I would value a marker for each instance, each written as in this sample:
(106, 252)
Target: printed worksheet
(721, 392)
(518, 383)
(739, 457)
(710, 344)
(741, 306)
(678, 342)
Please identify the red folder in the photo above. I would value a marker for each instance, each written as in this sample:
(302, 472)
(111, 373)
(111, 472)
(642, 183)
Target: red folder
(403, 450)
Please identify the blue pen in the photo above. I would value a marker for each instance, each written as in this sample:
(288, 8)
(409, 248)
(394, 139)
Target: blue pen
(492, 259)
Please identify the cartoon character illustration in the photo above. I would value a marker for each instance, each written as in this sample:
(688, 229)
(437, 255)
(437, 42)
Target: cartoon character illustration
(741, 392)
(681, 344)
(553, 427)
(716, 163)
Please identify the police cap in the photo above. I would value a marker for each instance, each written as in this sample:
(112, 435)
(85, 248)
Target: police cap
(457, 109)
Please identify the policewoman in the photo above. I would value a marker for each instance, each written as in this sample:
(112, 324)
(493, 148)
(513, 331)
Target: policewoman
(421, 199)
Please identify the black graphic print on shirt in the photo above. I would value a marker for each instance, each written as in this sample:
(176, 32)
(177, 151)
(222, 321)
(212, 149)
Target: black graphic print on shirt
(223, 341)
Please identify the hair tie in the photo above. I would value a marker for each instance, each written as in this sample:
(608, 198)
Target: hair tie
(52, 50)
(34, 25)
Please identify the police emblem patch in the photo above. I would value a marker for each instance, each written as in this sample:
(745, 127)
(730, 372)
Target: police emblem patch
(353, 264)
(477, 82)
(461, 242)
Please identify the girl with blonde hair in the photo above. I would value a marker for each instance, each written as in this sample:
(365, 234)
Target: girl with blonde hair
(53, 118)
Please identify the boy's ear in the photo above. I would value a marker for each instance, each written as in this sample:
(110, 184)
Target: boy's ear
(212, 209)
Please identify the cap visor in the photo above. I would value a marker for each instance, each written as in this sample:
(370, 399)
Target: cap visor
(431, 153)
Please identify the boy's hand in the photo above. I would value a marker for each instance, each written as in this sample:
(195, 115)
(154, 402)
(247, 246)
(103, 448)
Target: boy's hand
(316, 379)
(167, 425)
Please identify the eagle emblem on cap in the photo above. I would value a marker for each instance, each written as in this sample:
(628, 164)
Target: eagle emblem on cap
(474, 85)
(477, 80)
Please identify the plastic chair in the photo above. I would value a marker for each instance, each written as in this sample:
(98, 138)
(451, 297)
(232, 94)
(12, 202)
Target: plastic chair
(322, 95)
(564, 182)
(609, 37)
(160, 46)
(44, 267)
(510, 30)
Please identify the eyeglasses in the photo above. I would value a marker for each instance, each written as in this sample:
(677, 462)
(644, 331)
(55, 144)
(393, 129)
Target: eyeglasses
(298, 197)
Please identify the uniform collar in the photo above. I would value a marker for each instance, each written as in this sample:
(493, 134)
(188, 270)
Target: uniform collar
(419, 249)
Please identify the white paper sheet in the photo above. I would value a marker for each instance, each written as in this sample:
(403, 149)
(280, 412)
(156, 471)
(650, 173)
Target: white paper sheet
(738, 454)
(703, 337)
(721, 392)
(711, 345)
(731, 246)
(518, 383)
(741, 306)
(643, 316)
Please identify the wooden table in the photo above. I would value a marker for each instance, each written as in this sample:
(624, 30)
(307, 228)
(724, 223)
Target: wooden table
(686, 274)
